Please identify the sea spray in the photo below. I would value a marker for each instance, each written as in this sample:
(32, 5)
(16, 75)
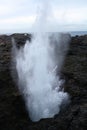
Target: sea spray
(37, 64)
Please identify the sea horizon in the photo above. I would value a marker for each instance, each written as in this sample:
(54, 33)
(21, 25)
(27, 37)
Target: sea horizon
(72, 33)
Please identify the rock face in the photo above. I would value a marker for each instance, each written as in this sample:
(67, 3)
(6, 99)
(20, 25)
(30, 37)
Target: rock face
(13, 114)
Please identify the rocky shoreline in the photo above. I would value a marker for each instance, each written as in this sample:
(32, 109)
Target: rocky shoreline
(13, 115)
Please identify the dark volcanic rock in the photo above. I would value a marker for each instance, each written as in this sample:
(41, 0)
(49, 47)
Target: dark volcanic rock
(13, 114)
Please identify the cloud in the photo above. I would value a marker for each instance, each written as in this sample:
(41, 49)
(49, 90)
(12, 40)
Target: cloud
(71, 15)
(21, 20)
(20, 15)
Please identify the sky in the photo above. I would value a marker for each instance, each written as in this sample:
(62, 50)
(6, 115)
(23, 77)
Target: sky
(18, 16)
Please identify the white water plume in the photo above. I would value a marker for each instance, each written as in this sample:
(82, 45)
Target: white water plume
(38, 65)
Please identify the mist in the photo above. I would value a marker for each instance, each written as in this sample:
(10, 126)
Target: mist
(38, 64)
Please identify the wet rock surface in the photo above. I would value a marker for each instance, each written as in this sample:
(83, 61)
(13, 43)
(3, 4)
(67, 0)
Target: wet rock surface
(13, 114)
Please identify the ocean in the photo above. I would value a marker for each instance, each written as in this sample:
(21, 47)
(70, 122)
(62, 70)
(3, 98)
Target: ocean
(79, 33)
(73, 33)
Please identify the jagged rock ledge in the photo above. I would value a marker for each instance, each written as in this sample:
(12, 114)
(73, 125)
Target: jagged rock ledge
(13, 114)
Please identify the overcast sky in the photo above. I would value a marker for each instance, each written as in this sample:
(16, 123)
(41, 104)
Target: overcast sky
(63, 15)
